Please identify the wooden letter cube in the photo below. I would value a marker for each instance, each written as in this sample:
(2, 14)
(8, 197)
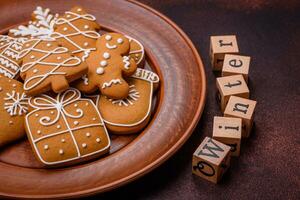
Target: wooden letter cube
(231, 85)
(244, 109)
(211, 160)
(236, 64)
(228, 131)
(219, 46)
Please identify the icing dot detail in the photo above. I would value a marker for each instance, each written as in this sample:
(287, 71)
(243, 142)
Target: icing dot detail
(14, 85)
(61, 152)
(108, 37)
(120, 41)
(94, 119)
(35, 71)
(65, 29)
(63, 140)
(88, 134)
(84, 145)
(32, 57)
(58, 126)
(106, 55)
(58, 58)
(86, 44)
(10, 122)
(46, 147)
(75, 105)
(48, 45)
(52, 112)
(68, 16)
(103, 63)
(39, 132)
(98, 140)
(100, 70)
(86, 26)
(79, 9)
(76, 122)
(1, 89)
(86, 104)
(36, 115)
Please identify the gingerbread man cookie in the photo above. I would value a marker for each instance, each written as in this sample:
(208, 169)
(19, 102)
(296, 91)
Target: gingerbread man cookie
(132, 114)
(77, 31)
(13, 107)
(65, 129)
(41, 26)
(47, 66)
(107, 67)
(9, 50)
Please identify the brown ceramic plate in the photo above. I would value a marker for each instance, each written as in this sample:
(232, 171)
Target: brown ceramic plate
(179, 105)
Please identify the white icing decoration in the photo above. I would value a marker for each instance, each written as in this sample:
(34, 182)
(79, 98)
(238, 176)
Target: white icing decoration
(63, 140)
(133, 96)
(39, 132)
(103, 63)
(42, 28)
(14, 85)
(106, 55)
(35, 71)
(45, 102)
(110, 46)
(86, 27)
(10, 122)
(75, 105)
(0, 89)
(58, 126)
(88, 134)
(84, 145)
(76, 123)
(32, 57)
(120, 41)
(61, 152)
(58, 57)
(65, 29)
(146, 75)
(36, 115)
(77, 31)
(98, 140)
(16, 103)
(79, 9)
(126, 62)
(100, 70)
(37, 79)
(108, 37)
(113, 81)
(46, 147)
(86, 44)
(85, 79)
(48, 45)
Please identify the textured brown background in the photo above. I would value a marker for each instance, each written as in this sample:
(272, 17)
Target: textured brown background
(268, 168)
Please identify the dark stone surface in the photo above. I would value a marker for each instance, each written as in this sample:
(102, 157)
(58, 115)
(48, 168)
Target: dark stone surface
(268, 167)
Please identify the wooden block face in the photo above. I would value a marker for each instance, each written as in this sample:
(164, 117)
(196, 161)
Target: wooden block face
(219, 46)
(244, 109)
(231, 85)
(211, 160)
(228, 131)
(236, 64)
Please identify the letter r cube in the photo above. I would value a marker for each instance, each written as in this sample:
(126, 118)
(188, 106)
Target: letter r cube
(211, 160)
(219, 46)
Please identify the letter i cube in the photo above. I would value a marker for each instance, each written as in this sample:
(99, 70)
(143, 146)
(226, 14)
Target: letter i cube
(211, 160)
(231, 85)
(219, 46)
(228, 131)
(236, 64)
(241, 108)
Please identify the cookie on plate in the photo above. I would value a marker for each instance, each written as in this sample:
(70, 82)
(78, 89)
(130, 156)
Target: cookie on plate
(9, 50)
(13, 107)
(107, 67)
(131, 114)
(77, 31)
(47, 66)
(65, 129)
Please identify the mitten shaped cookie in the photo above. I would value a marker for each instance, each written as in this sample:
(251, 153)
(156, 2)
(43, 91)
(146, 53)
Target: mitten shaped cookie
(107, 67)
(9, 50)
(131, 114)
(77, 31)
(13, 107)
(46, 66)
(65, 129)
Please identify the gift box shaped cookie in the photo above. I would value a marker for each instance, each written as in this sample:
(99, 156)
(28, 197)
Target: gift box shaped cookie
(66, 129)
(132, 114)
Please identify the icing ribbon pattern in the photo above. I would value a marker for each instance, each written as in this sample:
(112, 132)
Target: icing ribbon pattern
(45, 102)
(88, 33)
(69, 62)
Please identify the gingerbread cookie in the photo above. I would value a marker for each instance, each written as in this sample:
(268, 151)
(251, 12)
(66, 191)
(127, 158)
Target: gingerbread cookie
(9, 50)
(107, 67)
(77, 31)
(47, 66)
(13, 107)
(65, 129)
(41, 26)
(137, 51)
(131, 114)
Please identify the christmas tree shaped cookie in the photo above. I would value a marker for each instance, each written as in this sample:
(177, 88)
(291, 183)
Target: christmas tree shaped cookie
(13, 107)
(47, 66)
(77, 31)
(9, 50)
(65, 129)
(108, 66)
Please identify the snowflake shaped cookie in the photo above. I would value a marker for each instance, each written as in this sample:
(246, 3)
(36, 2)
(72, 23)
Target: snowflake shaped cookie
(16, 103)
